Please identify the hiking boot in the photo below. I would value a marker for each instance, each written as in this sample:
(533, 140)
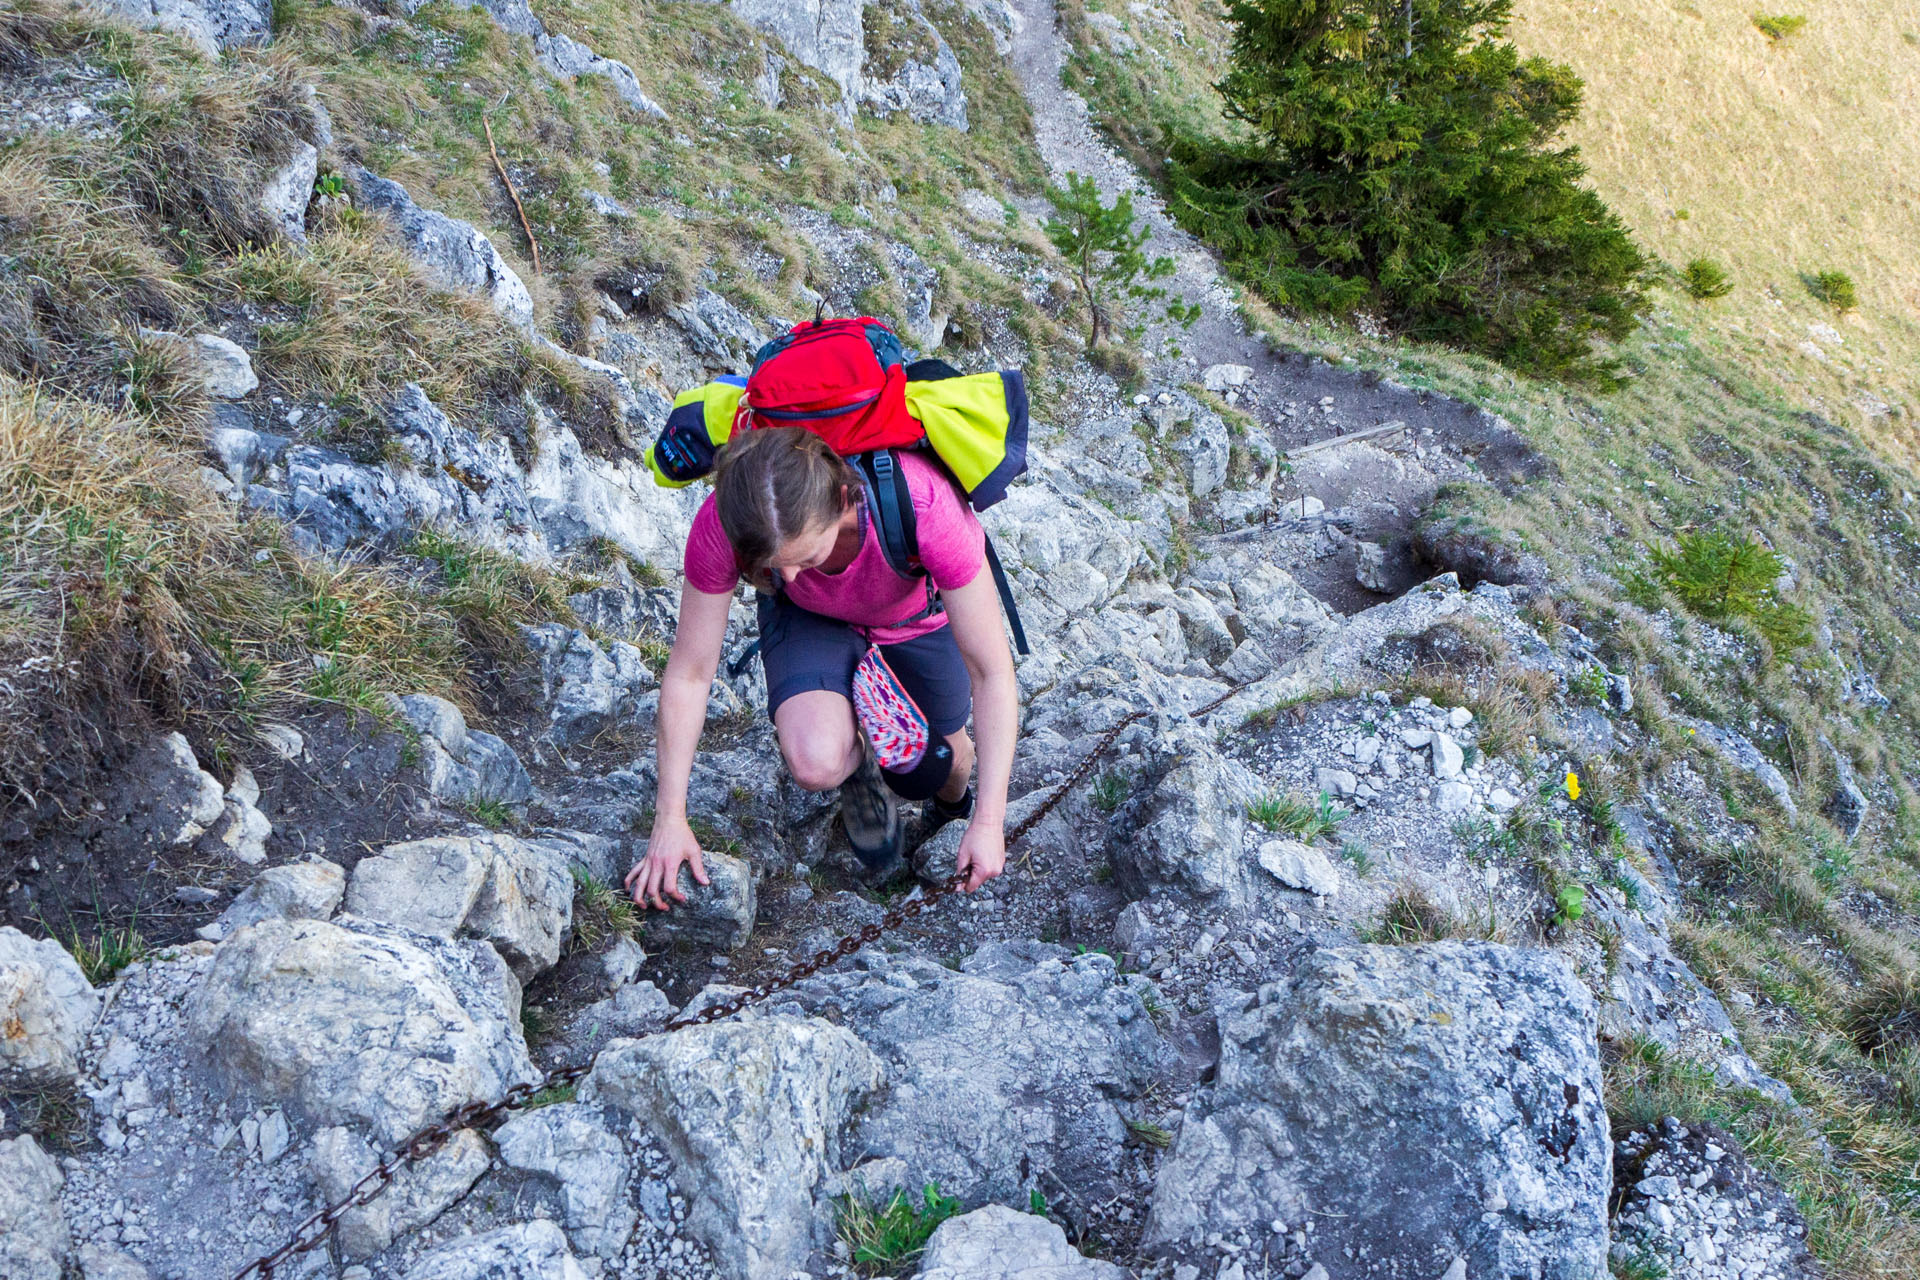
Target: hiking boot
(872, 819)
(935, 814)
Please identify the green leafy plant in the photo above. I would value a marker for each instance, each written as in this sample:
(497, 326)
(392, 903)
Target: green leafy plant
(1778, 26)
(495, 815)
(600, 911)
(1835, 288)
(110, 951)
(1718, 576)
(1308, 819)
(1407, 161)
(1356, 855)
(1037, 1203)
(1105, 251)
(1110, 791)
(889, 1236)
(1589, 682)
(1153, 1135)
(1706, 279)
(330, 185)
(1569, 904)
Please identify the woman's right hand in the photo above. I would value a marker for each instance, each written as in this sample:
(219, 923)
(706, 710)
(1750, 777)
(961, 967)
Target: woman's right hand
(658, 873)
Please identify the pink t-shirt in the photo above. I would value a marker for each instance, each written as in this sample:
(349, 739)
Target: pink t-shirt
(867, 593)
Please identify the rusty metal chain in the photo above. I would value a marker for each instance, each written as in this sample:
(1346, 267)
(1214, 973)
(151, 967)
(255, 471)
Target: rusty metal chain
(310, 1233)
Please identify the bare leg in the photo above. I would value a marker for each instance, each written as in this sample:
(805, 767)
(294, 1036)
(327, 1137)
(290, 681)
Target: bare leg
(962, 775)
(818, 739)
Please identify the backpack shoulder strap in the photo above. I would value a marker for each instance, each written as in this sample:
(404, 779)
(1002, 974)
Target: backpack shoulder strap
(892, 504)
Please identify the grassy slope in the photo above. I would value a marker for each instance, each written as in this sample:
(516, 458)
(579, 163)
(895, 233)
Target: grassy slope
(1778, 159)
(1703, 436)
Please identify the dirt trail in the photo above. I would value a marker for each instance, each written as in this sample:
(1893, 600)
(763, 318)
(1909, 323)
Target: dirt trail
(1301, 399)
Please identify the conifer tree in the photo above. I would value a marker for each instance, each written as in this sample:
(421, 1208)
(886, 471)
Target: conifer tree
(1406, 159)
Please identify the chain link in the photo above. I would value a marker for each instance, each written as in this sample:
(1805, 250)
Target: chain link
(310, 1233)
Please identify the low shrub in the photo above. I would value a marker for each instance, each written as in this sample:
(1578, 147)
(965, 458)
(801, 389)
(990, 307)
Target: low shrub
(1706, 279)
(1835, 288)
(1778, 26)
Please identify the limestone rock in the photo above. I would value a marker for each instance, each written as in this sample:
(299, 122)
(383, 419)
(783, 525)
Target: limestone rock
(917, 74)
(718, 914)
(288, 190)
(462, 765)
(998, 1243)
(354, 1023)
(454, 253)
(1370, 567)
(1194, 840)
(419, 1193)
(212, 25)
(1012, 1065)
(46, 1010)
(751, 1114)
(1225, 377)
(516, 894)
(586, 690)
(241, 832)
(1847, 806)
(827, 35)
(298, 891)
(1453, 1089)
(1740, 752)
(33, 1234)
(1299, 866)
(225, 366)
(526, 1251)
(166, 796)
(563, 1142)
(103, 1262)
(565, 58)
(1203, 453)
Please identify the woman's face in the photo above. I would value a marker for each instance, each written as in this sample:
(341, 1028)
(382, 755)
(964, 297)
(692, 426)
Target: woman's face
(810, 549)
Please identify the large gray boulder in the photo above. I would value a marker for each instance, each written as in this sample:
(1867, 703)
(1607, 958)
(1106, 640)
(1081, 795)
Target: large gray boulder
(451, 479)
(33, 1234)
(359, 1024)
(298, 891)
(1191, 838)
(1422, 1105)
(916, 72)
(998, 1243)
(1015, 1064)
(516, 894)
(419, 1193)
(566, 1142)
(210, 25)
(462, 765)
(827, 35)
(526, 1251)
(454, 253)
(46, 1009)
(565, 58)
(751, 1114)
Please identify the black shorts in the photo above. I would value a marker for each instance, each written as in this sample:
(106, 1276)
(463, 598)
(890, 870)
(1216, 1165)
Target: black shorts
(802, 651)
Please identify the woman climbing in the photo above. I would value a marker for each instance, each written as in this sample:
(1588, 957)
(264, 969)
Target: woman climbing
(803, 525)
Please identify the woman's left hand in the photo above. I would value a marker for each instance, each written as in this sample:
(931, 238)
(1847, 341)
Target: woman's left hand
(983, 853)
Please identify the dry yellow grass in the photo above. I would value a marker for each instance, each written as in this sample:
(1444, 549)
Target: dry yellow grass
(1787, 157)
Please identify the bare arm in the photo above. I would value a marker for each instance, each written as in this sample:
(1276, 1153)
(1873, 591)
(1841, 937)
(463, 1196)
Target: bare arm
(973, 611)
(684, 689)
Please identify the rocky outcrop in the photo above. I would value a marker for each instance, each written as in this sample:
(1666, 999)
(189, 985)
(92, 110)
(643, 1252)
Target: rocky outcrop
(298, 891)
(419, 1193)
(359, 1024)
(1194, 841)
(998, 1243)
(527, 1251)
(1421, 1107)
(461, 765)
(515, 894)
(1014, 1064)
(587, 690)
(454, 253)
(211, 25)
(46, 1010)
(565, 58)
(33, 1235)
(718, 914)
(752, 1114)
(566, 1144)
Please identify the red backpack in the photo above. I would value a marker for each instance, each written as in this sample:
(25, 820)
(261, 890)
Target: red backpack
(843, 380)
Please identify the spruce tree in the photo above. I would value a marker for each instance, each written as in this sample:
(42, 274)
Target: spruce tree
(1407, 160)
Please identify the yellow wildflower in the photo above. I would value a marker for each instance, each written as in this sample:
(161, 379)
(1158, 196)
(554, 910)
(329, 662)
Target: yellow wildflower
(1573, 785)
